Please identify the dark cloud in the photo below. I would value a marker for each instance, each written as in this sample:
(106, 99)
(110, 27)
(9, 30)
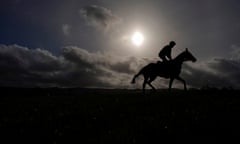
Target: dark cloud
(235, 53)
(99, 16)
(66, 28)
(217, 73)
(76, 67)
(22, 66)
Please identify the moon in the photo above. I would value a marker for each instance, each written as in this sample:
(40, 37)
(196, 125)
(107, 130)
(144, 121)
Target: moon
(137, 38)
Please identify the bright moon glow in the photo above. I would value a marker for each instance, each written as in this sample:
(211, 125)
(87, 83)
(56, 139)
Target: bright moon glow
(137, 38)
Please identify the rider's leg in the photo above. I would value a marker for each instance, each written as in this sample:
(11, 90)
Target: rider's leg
(163, 58)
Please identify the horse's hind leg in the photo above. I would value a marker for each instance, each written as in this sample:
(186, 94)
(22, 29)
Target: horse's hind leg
(150, 80)
(144, 84)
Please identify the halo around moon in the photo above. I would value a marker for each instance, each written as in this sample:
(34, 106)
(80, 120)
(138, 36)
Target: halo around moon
(137, 38)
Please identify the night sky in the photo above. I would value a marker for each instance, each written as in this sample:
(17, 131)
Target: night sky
(76, 43)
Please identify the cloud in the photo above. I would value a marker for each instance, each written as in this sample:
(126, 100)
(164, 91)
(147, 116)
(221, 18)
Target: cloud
(21, 66)
(235, 53)
(24, 67)
(77, 67)
(99, 17)
(66, 29)
(217, 72)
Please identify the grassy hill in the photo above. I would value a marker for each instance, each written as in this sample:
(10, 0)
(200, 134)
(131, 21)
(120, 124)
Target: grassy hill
(119, 116)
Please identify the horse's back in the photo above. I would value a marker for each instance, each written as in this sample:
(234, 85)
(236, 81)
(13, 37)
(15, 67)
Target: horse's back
(148, 68)
(163, 69)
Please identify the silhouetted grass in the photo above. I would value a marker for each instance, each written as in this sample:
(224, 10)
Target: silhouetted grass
(119, 116)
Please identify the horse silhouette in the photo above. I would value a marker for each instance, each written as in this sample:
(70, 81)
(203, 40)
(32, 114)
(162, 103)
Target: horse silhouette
(169, 70)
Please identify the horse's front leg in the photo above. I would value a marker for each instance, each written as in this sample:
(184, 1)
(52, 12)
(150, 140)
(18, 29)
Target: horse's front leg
(183, 81)
(170, 84)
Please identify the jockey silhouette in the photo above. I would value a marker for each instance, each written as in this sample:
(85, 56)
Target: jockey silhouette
(166, 52)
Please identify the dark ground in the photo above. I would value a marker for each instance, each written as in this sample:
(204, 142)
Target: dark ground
(119, 116)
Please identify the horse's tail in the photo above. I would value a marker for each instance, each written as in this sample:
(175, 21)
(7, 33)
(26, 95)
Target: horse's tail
(139, 73)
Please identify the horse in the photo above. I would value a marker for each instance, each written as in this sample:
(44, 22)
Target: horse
(169, 70)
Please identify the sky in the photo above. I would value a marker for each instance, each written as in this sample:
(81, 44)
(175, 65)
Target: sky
(77, 43)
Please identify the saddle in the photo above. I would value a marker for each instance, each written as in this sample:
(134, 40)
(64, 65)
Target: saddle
(164, 62)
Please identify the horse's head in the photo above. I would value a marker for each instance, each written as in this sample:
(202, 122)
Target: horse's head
(188, 56)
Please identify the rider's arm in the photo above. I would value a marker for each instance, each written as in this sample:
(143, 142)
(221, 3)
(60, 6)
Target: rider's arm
(169, 54)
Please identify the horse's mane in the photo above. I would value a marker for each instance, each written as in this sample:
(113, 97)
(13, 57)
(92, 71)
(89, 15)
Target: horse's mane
(179, 55)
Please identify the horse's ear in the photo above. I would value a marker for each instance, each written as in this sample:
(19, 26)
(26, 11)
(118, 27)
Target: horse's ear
(186, 49)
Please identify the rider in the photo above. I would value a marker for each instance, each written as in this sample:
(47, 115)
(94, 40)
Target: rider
(166, 51)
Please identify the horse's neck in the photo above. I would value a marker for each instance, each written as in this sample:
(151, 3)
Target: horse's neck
(179, 59)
